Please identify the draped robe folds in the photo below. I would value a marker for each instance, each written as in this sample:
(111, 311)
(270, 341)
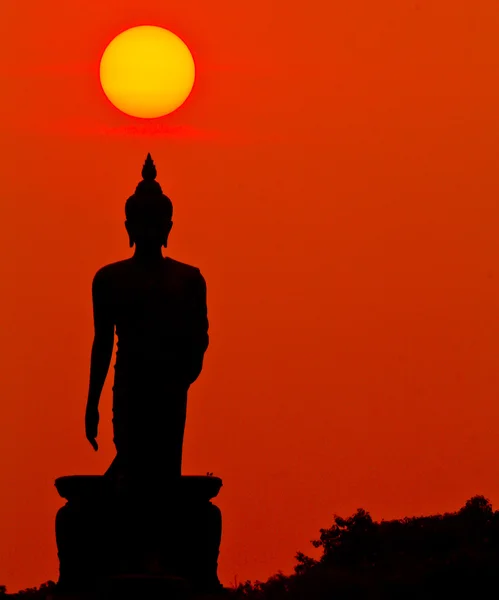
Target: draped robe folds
(161, 322)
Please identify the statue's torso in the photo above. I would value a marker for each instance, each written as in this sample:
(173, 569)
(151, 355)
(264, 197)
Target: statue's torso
(151, 308)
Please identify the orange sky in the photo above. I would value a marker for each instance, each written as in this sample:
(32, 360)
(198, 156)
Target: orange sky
(335, 177)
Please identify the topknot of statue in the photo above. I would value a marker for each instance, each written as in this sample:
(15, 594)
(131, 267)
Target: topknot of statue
(148, 185)
(148, 199)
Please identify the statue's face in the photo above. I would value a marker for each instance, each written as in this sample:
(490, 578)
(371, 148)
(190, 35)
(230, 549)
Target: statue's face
(150, 234)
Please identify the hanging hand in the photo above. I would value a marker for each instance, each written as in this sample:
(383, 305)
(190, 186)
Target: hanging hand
(91, 426)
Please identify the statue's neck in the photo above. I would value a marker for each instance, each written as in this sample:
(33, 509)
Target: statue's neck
(148, 256)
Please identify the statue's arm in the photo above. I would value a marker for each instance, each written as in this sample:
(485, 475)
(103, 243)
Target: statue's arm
(102, 347)
(199, 326)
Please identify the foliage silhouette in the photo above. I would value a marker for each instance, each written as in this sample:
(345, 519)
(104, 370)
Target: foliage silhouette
(41, 593)
(438, 556)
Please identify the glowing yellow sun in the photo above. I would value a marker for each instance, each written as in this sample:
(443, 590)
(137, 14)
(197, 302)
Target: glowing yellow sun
(147, 72)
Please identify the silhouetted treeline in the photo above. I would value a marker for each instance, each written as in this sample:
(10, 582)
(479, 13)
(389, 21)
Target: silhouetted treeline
(33, 593)
(439, 556)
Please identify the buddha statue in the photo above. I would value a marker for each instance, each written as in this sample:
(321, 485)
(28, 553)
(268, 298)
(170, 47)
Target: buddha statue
(156, 306)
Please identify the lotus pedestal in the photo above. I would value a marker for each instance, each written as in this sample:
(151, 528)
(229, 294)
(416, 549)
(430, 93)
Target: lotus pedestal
(112, 538)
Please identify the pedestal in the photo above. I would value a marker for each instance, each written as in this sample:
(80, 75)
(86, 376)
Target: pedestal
(106, 532)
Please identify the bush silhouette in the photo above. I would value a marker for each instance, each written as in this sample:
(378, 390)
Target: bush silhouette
(33, 593)
(438, 556)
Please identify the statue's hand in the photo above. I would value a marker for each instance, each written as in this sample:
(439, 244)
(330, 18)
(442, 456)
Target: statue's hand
(91, 426)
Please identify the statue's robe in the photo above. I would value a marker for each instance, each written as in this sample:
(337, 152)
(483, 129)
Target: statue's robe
(160, 318)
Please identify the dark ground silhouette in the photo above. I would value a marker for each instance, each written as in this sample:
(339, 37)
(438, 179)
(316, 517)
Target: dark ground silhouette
(454, 555)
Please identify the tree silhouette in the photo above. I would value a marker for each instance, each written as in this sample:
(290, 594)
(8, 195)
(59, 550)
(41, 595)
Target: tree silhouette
(437, 556)
(33, 593)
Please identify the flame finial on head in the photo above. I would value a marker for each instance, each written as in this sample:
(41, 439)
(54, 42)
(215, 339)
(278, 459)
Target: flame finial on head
(149, 172)
(148, 197)
(148, 185)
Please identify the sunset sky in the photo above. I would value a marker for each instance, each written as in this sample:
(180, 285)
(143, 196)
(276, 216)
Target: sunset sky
(335, 176)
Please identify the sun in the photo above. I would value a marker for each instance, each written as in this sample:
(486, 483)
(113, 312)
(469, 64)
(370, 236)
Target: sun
(147, 72)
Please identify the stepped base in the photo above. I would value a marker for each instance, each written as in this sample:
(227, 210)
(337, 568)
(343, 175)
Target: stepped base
(132, 587)
(143, 587)
(107, 534)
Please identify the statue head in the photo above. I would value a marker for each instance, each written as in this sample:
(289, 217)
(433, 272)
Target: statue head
(148, 212)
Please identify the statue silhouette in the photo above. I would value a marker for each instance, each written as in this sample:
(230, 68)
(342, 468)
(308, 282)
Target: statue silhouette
(142, 518)
(157, 306)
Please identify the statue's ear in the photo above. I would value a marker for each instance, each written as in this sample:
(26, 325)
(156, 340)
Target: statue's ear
(167, 233)
(130, 236)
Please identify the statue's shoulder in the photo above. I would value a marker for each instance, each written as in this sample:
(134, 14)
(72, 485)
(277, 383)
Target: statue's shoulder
(112, 271)
(183, 269)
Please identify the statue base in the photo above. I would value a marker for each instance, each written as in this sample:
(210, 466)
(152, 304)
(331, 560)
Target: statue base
(132, 587)
(111, 536)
